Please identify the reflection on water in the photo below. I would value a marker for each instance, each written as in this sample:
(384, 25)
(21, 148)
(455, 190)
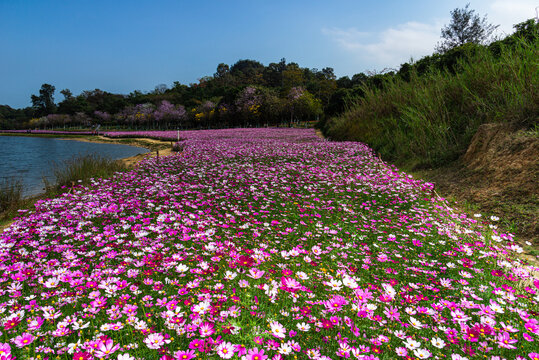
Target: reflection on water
(31, 158)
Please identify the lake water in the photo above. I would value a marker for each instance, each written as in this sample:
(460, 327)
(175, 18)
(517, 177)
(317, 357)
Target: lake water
(31, 158)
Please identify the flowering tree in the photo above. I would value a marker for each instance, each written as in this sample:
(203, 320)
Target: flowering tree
(140, 114)
(248, 104)
(169, 113)
(102, 116)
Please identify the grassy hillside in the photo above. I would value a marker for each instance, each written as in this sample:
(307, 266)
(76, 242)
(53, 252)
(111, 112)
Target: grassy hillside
(428, 117)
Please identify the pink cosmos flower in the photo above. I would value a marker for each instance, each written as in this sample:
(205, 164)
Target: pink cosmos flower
(196, 344)
(225, 350)
(343, 353)
(5, 349)
(336, 303)
(255, 273)
(532, 326)
(255, 354)
(82, 356)
(290, 284)
(35, 323)
(392, 313)
(471, 335)
(459, 315)
(23, 340)
(240, 349)
(155, 341)
(130, 309)
(184, 355)
(206, 329)
(505, 341)
(534, 356)
(8, 325)
(105, 348)
(245, 261)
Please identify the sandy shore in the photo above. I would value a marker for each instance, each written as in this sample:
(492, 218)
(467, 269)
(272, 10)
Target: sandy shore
(163, 147)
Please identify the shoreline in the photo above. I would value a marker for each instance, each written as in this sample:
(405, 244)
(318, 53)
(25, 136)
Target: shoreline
(164, 148)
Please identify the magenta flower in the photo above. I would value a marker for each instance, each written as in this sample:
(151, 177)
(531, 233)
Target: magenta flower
(255, 273)
(82, 356)
(10, 324)
(534, 356)
(505, 341)
(255, 354)
(23, 340)
(105, 348)
(184, 355)
(206, 329)
(245, 261)
(5, 349)
(532, 326)
(392, 313)
(196, 344)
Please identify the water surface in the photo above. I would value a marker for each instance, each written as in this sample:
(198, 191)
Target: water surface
(31, 158)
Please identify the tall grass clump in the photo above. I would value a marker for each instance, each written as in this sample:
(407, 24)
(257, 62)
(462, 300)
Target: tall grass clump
(82, 168)
(429, 119)
(11, 194)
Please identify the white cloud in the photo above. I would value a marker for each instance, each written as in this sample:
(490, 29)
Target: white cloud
(391, 47)
(396, 45)
(509, 13)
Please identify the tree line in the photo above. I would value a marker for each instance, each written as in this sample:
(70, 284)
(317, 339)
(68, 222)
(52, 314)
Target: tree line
(244, 94)
(248, 93)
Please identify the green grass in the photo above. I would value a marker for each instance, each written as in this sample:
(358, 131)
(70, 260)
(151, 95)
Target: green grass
(11, 190)
(431, 119)
(81, 169)
(74, 171)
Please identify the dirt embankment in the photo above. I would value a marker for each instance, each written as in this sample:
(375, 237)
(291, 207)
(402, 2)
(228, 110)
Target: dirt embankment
(499, 173)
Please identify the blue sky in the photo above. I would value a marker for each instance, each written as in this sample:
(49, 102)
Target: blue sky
(121, 46)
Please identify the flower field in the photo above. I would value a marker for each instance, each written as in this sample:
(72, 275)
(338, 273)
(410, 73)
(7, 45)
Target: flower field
(262, 244)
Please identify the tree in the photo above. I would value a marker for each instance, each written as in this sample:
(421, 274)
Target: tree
(44, 103)
(222, 70)
(465, 27)
(68, 95)
(160, 89)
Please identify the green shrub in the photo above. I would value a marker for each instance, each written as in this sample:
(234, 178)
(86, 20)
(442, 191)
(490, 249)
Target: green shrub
(429, 119)
(82, 168)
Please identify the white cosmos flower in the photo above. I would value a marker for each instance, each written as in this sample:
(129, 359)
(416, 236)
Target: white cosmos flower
(415, 323)
(411, 344)
(422, 353)
(437, 342)
(182, 268)
(125, 357)
(52, 283)
(285, 349)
